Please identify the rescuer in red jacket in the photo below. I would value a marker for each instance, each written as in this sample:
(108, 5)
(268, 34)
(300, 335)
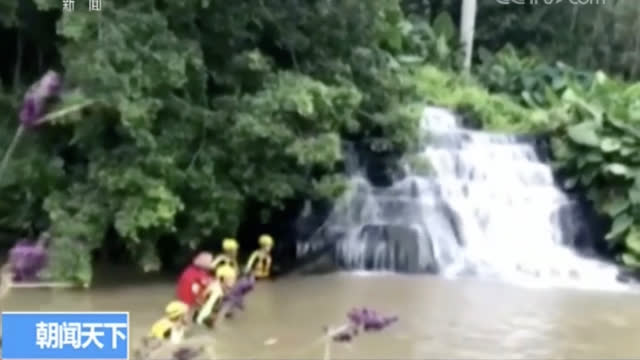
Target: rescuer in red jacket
(195, 280)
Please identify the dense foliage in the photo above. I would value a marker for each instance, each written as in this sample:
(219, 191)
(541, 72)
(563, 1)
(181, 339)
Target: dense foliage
(466, 96)
(203, 111)
(589, 34)
(597, 141)
(206, 112)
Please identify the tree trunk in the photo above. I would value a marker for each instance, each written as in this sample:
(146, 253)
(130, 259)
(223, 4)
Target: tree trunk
(467, 26)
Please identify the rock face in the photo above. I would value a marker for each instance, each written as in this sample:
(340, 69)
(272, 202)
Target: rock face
(489, 204)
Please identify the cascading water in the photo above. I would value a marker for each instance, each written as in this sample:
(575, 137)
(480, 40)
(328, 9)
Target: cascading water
(489, 206)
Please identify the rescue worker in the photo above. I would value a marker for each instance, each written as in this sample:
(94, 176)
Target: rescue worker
(226, 276)
(173, 324)
(229, 255)
(225, 280)
(195, 280)
(259, 264)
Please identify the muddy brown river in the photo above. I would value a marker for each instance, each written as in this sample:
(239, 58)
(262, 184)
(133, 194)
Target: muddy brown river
(439, 318)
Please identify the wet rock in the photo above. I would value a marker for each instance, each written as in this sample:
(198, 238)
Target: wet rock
(405, 243)
(322, 242)
(323, 264)
(400, 247)
(629, 276)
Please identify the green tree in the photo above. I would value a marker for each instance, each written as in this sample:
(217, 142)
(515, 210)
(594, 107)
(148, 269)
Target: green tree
(203, 109)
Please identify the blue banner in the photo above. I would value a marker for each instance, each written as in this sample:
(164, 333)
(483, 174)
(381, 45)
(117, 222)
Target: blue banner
(65, 335)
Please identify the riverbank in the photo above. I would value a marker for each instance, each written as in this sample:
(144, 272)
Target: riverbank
(467, 318)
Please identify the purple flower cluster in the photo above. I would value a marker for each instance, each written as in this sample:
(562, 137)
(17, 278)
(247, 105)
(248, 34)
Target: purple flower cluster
(363, 319)
(235, 297)
(36, 98)
(370, 320)
(27, 259)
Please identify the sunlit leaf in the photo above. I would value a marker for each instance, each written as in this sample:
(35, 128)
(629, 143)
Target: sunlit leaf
(584, 133)
(621, 224)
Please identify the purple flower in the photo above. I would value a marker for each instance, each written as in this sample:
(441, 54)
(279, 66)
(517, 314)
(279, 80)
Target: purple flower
(30, 112)
(51, 84)
(36, 98)
(27, 260)
(355, 317)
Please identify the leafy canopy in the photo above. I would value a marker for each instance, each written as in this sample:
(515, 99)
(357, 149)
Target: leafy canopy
(205, 109)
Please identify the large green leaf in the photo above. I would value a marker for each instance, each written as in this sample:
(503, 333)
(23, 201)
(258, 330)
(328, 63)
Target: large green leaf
(620, 124)
(593, 157)
(621, 224)
(443, 25)
(585, 133)
(626, 151)
(596, 112)
(442, 48)
(619, 169)
(610, 144)
(632, 240)
(615, 205)
(631, 260)
(634, 194)
(634, 111)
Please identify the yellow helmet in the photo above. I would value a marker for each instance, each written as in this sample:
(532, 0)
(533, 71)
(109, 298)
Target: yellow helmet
(176, 309)
(265, 240)
(229, 244)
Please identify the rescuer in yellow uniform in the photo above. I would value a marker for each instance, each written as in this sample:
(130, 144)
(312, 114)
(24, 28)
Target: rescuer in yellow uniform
(173, 324)
(259, 264)
(226, 278)
(229, 255)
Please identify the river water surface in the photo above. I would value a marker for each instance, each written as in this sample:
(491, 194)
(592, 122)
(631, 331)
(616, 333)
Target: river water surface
(439, 318)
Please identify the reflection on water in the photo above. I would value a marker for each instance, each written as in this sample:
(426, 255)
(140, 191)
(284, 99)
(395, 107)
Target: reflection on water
(439, 318)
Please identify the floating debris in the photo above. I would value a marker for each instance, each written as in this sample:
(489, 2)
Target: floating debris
(363, 319)
(370, 320)
(187, 353)
(270, 341)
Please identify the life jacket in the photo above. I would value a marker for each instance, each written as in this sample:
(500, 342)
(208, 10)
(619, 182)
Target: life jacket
(261, 266)
(161, 329)
(224, 259)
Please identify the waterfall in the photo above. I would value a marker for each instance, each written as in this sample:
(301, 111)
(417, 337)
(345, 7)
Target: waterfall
(489, 206)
